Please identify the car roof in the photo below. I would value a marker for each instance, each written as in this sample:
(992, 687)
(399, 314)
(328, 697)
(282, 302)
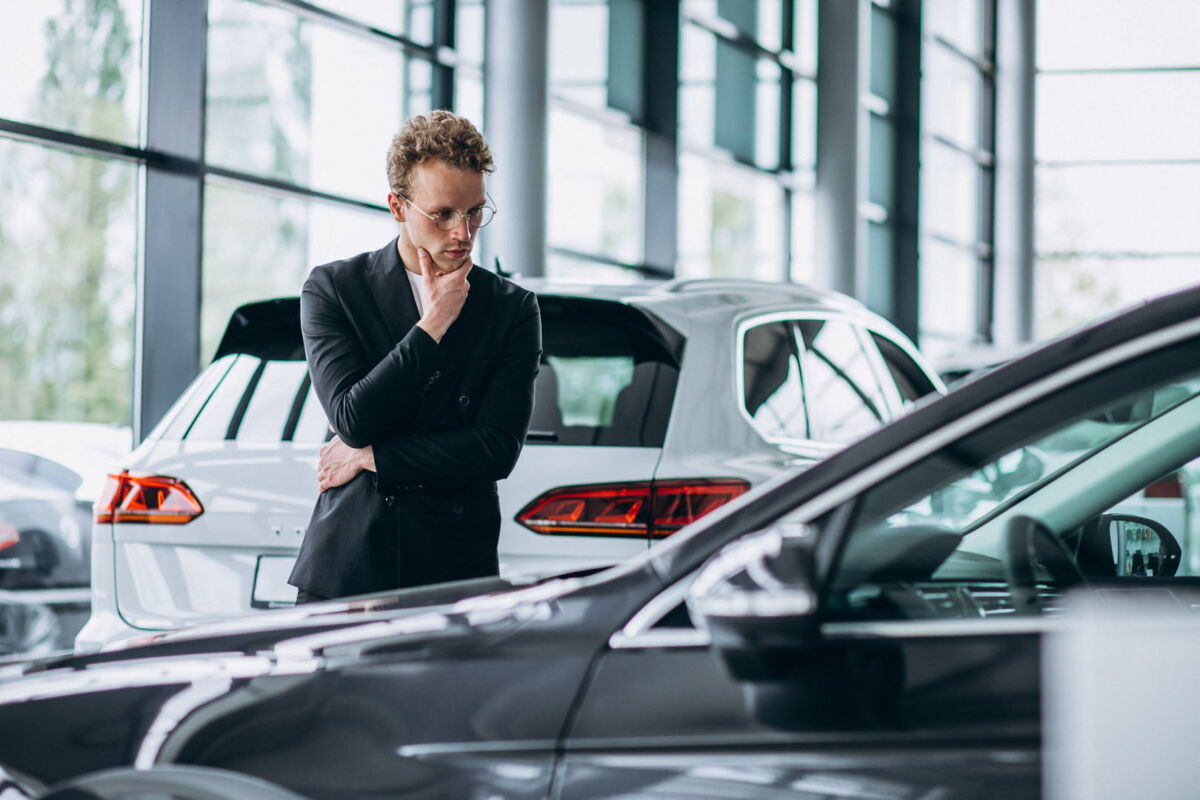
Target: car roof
(269, 329)
(682, 293)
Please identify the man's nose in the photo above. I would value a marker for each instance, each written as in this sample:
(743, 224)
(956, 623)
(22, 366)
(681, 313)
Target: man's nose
(462, 230)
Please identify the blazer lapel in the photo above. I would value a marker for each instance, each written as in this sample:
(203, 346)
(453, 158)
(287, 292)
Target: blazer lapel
(392, 292)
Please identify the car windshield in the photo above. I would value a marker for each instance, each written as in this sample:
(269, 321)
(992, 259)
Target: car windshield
(946, 518)
(965, 504)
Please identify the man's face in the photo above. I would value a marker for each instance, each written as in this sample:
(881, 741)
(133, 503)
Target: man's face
(438, 187)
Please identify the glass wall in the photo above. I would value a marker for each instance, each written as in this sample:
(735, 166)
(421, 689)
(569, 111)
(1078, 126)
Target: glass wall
(1118, 158)
(302, 177)
(74, 65)
(957, 162)
(69, 221)
(596, 148)
(68, 249)
(747, 131)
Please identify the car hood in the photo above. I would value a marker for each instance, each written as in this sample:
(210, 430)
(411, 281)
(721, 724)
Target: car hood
(480, 619)
(258, 633)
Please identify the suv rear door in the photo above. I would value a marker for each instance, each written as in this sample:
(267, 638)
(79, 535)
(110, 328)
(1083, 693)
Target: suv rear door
(602, 402)
(244, 438)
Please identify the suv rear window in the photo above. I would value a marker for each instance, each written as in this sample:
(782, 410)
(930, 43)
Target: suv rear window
(607, 378)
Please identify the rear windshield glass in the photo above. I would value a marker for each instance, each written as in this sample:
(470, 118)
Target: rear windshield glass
(607, 378)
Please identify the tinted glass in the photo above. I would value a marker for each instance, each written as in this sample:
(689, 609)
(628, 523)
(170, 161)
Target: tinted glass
(844, 399)
(175, 425)
(604, 380)
(1063, 461)
(910, 379)
(270, 405)
(772, 390)
(312, 427)
(212, 423)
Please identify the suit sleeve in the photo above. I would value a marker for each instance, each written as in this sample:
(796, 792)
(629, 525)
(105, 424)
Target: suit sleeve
(363, 401)
(487, 450)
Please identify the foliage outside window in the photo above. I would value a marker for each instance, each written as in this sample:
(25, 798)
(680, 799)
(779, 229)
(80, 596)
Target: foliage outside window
(68, 223)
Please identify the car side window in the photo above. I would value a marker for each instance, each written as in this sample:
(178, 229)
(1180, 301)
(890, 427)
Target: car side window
(312, 427)
(772, 386)
(843, 397)
(909, 378)
(213, 420)
(270, 405)
(1033, 502)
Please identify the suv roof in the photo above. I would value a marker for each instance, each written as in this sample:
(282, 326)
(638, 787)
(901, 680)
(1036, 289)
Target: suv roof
(269, 329)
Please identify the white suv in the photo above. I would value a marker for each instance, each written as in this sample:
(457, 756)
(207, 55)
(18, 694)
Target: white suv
(656, 403)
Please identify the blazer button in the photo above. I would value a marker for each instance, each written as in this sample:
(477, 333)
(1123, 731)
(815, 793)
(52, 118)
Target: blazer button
(389, 500)
(464, 401)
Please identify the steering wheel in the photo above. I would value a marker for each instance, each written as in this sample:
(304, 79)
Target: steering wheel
(1028, 542)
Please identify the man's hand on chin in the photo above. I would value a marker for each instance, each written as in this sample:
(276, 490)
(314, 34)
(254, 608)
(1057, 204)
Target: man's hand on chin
(340, 462)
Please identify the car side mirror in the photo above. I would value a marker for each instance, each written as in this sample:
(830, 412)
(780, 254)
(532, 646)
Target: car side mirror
(757, 600)
(1125, 545)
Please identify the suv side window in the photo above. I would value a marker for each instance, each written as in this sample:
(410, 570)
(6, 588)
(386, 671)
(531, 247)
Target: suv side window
(844, 398)
(212, 423)
(271, 403)
(772, 386)
(910, 379)
(312, 427)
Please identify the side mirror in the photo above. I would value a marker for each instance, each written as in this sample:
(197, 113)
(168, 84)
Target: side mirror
(1124, 545)
(757, 600)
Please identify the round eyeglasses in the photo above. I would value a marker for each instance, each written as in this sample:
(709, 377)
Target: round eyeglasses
(448, 220)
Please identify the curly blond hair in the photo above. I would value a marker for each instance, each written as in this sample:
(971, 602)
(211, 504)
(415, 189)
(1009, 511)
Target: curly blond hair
(438, 134)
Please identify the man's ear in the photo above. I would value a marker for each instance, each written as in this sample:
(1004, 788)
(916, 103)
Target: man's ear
(398, 207)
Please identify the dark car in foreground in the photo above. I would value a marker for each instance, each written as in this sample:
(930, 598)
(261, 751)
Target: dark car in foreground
(871, 628)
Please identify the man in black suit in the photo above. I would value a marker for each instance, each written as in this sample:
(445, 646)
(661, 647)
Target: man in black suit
(424, 365)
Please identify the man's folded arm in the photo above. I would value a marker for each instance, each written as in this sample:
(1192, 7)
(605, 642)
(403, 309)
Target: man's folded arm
(364, 402)
(487, 450)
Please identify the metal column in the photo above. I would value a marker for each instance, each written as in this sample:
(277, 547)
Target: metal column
(167, 330)
(516, 122)
(660, 117)
(1014, 232)
(842, 75)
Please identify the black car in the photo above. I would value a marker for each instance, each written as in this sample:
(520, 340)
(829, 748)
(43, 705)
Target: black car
(869, 628)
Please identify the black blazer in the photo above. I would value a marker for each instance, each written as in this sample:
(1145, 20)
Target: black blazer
(446, 421)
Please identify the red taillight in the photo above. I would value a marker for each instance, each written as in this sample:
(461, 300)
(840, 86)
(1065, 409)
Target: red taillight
(645, 508)
(1169, 487)
(147, 498)
(9, 535)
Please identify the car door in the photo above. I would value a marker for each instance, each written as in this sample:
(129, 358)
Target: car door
(922, 674)
(899, 712)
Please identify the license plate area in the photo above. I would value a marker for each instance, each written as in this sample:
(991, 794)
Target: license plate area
(271, 589)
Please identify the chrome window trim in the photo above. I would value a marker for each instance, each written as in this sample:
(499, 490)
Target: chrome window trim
(639, 631)
(516, 747)
(941, 628)
(665, 639)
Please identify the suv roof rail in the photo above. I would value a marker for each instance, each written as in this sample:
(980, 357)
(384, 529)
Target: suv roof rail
(706, 284)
